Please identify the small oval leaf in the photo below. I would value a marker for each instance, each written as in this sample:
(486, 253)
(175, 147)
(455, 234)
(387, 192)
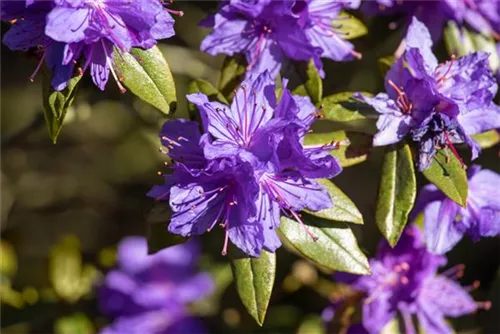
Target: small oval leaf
(313, 87)
(147, 74)
(336, 247)
(56, 104)
(348, 26)
(353, 148)
(397, 192)
(343, 209)
(232, 74)
(487, 139)
(447, 173)
(254, 278)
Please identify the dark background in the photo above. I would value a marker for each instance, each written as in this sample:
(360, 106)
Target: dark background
(89, 190)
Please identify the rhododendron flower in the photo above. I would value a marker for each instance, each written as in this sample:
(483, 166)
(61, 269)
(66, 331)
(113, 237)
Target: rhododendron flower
(247, 167)
(437, 105)
(404, 281)
(150, 293)
(446, 222)
(269, 32)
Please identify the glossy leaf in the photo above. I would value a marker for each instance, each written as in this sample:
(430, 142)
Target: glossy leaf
(487, 139)
(397, 192)
(157, 221)
(254, 279)
(343, 209)
(232, 74)
(313, 87)
(353, 148)
(449, 176)
(336, 247)
(56, 104)
(348, 26)
(147, 74)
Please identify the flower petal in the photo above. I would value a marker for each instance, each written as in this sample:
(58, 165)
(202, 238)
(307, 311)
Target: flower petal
(441, 232)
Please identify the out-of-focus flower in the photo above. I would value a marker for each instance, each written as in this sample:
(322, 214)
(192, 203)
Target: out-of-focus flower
(269, 32)
(404, 281)
(447, 222)
(249, 165)
(90, 31)
(149, 293)
(438, 105)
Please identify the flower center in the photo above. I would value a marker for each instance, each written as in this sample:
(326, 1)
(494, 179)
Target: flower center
(402, 101)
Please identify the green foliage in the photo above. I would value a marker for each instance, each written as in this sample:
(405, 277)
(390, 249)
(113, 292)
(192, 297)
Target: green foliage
(385, 63)
(348, 26)
(487, 139)
(254, 279)
(77, 323)
(232, 73)
(147, 74)
(351, 113)
(447, 173)
(312, 324)
(56, 104)
(343, 209)
(336, 247)
(397, 192)
(205, 87)
(313, 86)
(353, 147)
(70, 278)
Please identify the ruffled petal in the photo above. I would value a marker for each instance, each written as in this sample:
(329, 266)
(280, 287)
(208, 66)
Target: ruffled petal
(68, 25)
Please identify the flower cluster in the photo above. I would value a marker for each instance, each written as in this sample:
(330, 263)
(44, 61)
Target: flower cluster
(72, 36)
(248, 166)
(149, 293)
(269, 32)
(446, 222)
(482, 15)
(437, 105)
(404, 280)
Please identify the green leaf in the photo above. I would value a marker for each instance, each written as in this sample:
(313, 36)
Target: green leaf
(348, 26)
(447, 173)
(147, 74)
(312, 324)
(397, 192)
(158, 237)
(489, 45)
(254, 279)
(313, 87)
(385, 63)
(77, 323)
(56, 104)
(353, 149)
(336, 247)
(232, 74)
(457, 42)
(343, 209)
(205, 87)
(487, 139)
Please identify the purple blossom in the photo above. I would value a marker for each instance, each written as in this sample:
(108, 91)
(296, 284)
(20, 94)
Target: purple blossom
(437, 105)
(447, 222)
(247, 167)
(90, 31)
(404, 281)
(149, 293)
(269, 32)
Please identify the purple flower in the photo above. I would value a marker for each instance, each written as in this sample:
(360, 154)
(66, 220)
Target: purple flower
(90, 31)
(248, 166)
(149, 293)
(404, 281)
(447, 222)
(269, 32)
(437, 105)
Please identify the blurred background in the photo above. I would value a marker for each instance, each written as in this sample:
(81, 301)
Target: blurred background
(64, 207)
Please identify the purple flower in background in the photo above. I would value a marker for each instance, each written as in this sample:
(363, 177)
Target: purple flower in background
(438, 105)
(149, 293)
(404, 281)
(91, 31)
(249, 166)
(269, 32)
(447, 222)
